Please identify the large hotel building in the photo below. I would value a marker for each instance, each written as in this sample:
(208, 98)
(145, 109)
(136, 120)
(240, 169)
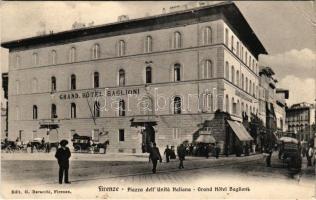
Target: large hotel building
(174, 70)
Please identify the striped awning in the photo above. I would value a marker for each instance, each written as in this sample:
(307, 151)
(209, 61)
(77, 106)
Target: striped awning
(240, 131)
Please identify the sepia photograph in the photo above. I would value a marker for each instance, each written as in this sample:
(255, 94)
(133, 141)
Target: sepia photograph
(158, 99)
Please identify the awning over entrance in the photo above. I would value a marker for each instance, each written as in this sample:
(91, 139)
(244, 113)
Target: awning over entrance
(206, 138)
(240, 131)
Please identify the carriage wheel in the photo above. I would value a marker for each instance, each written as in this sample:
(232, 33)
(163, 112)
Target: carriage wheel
(77, 148)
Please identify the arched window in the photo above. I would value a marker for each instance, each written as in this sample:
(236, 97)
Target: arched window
(73, 111)
(35, 58)
(73, 82)
(96, 51)
(96, 81)
(207, 35)
(146, 106)
(53, 84)
(34, 85)
(177, 105)
(242, 81)
(246, 57)
(227, 103)
(208, 69)
(242, 107)
(227, 70)
(238, 108)
(232, 43)
(34, 112)
(53, 57)
(96, 109)
(53, 111)
(234, 106)
(253, 89)
(253, 65)
(233, 74)
(237, 78)
(242, 53)
(246, 89)
(208, 102)
(177, 72)
(122, 108)
(177, 40)
(72, 54)
(121, 48)
(148, 74)
(226, 36)
(237, 51)
(250, 87)
(121, 77)
(148, 44)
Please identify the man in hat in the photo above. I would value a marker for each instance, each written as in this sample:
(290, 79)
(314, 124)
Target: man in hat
(154, 156)
(63, 154)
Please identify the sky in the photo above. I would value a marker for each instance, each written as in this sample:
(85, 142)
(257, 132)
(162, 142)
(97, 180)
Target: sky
(286, 29)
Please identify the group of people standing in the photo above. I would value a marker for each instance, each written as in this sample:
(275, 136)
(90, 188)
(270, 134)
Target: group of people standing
(154, 155)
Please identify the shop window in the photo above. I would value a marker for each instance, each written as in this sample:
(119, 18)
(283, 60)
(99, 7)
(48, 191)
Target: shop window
(121, 135)
(34, 112)
(73, 111)
(121, 77)
(177, 105)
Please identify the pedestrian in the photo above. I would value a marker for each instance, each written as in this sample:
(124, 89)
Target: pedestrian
(217, 150)
(269, 155)
(206, 150)
(167, 153)
(63, 154)
(154, 156)
(309, 156)
(181, 155)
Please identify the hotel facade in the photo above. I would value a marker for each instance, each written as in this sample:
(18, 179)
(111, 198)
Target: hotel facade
(176, 69)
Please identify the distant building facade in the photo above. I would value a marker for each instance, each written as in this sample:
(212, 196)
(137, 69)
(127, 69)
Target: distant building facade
(4, 105)
(300, 119)
(175, 69)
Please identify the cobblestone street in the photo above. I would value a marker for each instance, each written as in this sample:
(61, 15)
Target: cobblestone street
(132, 172)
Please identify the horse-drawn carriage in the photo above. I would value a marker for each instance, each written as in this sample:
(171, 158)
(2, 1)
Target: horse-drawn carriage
(290, 153)
(87, 145)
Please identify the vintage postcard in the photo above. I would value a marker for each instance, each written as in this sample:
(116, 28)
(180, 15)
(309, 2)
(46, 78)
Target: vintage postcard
(158, 100)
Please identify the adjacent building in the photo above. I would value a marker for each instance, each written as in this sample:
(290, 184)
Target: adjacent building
(175, 70)
(300, 119)
(4, 105)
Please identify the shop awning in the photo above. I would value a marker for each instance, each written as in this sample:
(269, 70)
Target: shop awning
(240, 131)
(206, 138)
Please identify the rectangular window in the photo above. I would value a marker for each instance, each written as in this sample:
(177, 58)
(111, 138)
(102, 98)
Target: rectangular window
(121, 135)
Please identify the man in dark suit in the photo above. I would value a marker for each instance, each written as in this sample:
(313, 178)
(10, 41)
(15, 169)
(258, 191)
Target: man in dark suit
(181, 155)
(154, 156)
(63, 154)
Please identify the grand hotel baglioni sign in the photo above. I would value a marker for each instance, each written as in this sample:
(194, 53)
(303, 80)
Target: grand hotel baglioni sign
(99, 93)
